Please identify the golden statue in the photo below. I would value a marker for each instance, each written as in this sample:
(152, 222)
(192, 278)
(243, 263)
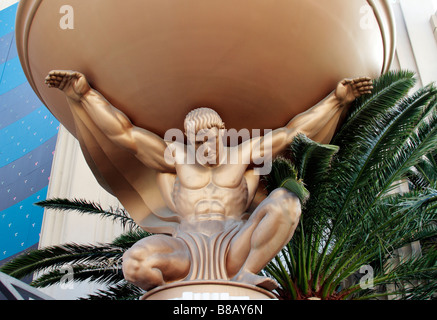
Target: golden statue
(212, 236)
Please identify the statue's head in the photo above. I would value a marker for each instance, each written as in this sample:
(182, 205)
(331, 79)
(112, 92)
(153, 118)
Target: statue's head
(205, 128)
(201, 119)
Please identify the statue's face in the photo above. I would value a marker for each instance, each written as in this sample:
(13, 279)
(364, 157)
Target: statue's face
(209, 146)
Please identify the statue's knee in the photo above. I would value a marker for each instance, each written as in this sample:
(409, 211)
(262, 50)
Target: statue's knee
(143, 263)
(133, 263)
(285, 205)
(279, 193)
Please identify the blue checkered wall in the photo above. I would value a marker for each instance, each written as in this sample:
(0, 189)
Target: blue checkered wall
(28, 134)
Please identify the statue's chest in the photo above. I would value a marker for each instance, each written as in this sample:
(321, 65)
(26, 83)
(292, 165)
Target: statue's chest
(203, 178)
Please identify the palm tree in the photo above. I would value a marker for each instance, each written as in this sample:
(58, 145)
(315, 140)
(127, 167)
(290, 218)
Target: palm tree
(100, 263)
(351, 221)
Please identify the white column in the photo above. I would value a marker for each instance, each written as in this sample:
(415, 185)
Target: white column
(416, 51)
(72, 178)
(417, 16)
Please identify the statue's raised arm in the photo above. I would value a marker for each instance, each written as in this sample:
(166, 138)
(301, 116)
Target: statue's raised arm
(318, 123)
(145, 145)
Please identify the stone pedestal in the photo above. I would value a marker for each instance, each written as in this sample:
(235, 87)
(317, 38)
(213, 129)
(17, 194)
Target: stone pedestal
(208, 290)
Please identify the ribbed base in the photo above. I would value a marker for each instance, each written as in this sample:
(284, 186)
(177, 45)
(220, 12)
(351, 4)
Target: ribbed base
(208, 290)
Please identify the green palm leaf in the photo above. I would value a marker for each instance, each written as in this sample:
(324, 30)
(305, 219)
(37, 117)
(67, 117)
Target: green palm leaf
(424, 173)
(120, 291)
(56, 257)
(79, 273)
(86, 207)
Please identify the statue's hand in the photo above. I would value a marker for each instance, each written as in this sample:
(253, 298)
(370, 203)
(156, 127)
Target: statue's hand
(73, 84)
(348, 90)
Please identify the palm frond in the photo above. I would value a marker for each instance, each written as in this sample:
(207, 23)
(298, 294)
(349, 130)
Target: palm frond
(311, 159)
(120, 291)
(87, 207)
(55, 257)
(424, 173)
(284, 175)
(79, 273)
(282, 169)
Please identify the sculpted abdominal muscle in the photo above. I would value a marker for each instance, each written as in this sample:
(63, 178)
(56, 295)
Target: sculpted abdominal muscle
(210, 198)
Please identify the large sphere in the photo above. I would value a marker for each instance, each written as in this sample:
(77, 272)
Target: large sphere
(256, 62)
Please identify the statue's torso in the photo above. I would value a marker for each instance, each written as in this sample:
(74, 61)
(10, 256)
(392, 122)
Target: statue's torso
(210, 194)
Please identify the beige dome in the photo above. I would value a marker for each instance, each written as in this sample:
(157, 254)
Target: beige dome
(157, 60)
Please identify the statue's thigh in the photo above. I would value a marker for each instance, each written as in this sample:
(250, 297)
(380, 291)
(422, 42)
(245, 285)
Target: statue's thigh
(273, 220)
(240, 245)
